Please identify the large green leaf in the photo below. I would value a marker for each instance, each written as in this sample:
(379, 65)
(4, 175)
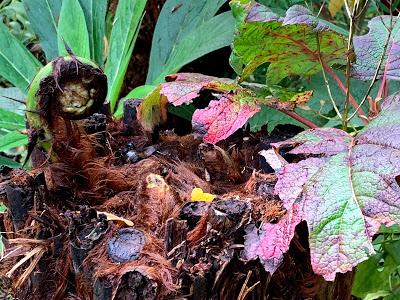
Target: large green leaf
(289, 44)
(72, 29)
(185, 31)
(372, 279)
(11, 120)
(95, 16)
(123, 36)
(12, 139)
(43, 16)
(17, 64)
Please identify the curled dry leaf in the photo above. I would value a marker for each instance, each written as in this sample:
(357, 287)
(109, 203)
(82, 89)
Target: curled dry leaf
(345, 189)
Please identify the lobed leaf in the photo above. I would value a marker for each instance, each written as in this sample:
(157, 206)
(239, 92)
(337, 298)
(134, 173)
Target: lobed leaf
(344, 190)
(370, 49)
(289, 44)
(222, 118)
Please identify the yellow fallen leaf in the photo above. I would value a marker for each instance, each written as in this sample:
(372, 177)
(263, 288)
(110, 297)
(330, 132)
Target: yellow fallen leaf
(199, 195)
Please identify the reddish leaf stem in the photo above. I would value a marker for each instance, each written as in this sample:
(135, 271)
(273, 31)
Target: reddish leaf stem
(353, 102)
(299, 118)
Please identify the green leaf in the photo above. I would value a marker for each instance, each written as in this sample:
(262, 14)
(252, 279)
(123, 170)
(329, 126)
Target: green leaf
(185, 31)
(289, 44)
(138, 92)
(12, 139)
(17, 64)
(391, 229)
(372, 279)
(5, 161)
(6, 100)
(95, 16)
(43, 16)
(123, 36)
(72, 29)
(11, 120)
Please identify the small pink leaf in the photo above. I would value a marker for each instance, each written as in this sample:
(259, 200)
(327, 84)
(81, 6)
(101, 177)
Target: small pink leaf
(222, 118)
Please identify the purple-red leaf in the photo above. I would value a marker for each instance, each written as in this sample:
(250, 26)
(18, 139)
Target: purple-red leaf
(344, 190)
(222, 118)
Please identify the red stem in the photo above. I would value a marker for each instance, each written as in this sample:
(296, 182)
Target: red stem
(299, 118)
(353, 102)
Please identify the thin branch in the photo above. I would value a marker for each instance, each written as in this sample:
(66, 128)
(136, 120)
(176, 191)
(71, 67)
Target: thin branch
(351, 16)
(326, 79)
(339, 82)
(374, 79)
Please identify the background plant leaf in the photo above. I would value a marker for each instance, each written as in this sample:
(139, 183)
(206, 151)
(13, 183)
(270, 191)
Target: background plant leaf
(344, 194)
(185, 31)
(72, 29)
(95, 16)
(43, 16)
(289, 44)
(374, 277)
(5, 161)
(7, 103)
(139, 92)
(17, 71)
(369, 49)
(12, 139)
(125, 28)
(11, 120)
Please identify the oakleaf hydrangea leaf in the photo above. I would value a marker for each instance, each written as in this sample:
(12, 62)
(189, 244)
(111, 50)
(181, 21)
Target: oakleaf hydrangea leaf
(369, 49)
(231, 106)
(344, 189)
(222, 118)
(289, 44)
(182, 88)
